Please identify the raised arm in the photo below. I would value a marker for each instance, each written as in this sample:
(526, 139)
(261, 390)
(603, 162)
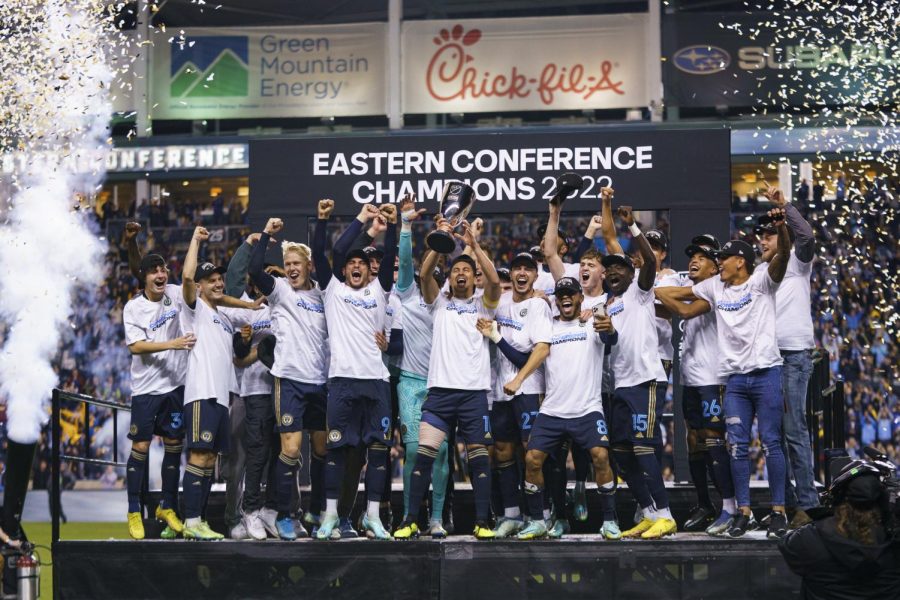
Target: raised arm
(779, 262)
(804, 238)
(681, 301)
(587, 240)
(491, 279)
(539, 353)
(647, 274)
(258, 275)
(427, 284)
(608, 225)
(408, 214)
(344, 243)
(188, 285)
(320, 261)
(386, 273)
(236, 275)
(132, 230)
(551, 237)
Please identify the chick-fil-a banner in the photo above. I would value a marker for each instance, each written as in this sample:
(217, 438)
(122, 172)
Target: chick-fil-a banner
(548, 63)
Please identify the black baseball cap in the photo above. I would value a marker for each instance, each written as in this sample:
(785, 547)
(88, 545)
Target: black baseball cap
(207, 269)
(503, 273)
(536, 253)
(567, 284)
(373, 252)
(523, 257)
(359, 253)
(764, 225)
(738, 248)
(466, 259)
(705, 239)
(705, 249)
(657, 238)
(617, 259)
(150, 262)
(562, 234)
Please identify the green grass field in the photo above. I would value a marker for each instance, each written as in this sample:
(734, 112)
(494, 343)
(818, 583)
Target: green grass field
(39, 533)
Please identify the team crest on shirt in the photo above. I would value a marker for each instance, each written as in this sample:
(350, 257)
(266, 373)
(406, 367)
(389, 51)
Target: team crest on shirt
(523, 312)
(287, 420)
(133, 429)
(167, 301)
(368, 292)
(334, 436)
(206, 436)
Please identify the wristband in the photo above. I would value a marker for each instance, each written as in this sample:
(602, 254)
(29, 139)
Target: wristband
(634, 229)
(495, 333)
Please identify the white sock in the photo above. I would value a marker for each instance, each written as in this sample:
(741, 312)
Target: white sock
(373, 510)
(546, 514)
(511, 512)
(192, 522)
(729, 505)
(331, 506)
(649, 513)
(664, 513)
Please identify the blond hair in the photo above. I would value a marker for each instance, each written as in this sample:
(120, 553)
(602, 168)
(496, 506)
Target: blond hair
(302, 249)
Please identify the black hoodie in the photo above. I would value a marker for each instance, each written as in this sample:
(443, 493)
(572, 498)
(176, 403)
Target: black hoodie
(836, 568)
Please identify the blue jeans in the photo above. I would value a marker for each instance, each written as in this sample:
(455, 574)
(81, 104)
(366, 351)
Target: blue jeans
(796, 372)
(747, 395)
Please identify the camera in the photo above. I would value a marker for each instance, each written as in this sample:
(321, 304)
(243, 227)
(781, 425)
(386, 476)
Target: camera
(844, 470)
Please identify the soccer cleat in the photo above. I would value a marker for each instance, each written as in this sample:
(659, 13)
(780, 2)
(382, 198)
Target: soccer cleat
(313, 522)
(238, 532)
(610, 530)
(254, 526)
(406, 530)
(560, 528)
(328, 526)
(777, 526)
(579, 502)
(299, 529)
(436, 530)
(374, 529)
(535, 529)
(285, 527)
(661, 527)
(700, 518)
(168, 534)
(740, 525)
(171, 519)
(215, 535)
(268, 516)
(483, 532)
(135, 526)
(201, 531)
(721, 525)
(344, 531)
(508, 526)
(643, 525)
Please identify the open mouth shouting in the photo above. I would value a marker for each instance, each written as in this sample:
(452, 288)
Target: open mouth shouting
(356, 277)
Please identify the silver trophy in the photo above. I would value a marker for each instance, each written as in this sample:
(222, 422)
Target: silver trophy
(565, 185)
(456, 202)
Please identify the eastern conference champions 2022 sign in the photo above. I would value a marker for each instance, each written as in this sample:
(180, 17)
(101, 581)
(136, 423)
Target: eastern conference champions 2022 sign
(511, 172)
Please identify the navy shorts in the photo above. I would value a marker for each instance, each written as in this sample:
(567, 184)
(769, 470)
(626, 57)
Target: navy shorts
(588, 431)
(511, 421)
(359, 412)
(157, 414)
(448, 409)
(207, 426)
(636, 413)
(704, 406)
(298, 405)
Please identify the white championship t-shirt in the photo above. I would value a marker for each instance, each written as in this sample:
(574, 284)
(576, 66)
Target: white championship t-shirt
(417, 328)
(664, 326)
(793, 321)
(353, 317)
(635, 357)
(254, 380)
(460, 356)
(522, 324)
(700, 350)
(745, 322)
(298, 321)
(589, 303)
(147, 321)
(210, 370)
(574, 370)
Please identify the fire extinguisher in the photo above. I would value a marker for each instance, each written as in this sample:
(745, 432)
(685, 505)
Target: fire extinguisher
(28, 574)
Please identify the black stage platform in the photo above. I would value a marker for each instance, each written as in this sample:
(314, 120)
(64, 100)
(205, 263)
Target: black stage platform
(689, 566)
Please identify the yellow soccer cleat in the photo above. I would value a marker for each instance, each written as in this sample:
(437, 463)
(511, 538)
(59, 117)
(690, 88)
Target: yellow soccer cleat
(135, 526)
(483, 532)
(638, 529)
(406, 531)
(661, 528)
(170, 518)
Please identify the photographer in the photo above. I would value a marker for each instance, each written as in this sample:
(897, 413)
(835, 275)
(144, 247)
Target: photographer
(850, 554)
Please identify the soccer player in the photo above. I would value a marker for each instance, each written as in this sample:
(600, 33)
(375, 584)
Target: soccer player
(640, 383)
(209, 382)
(459, 378)
(359, 402)
(572, 407)
(299, 373)
(158, 361)
(744, 298)
(525, 324)
(703, 395)
(794, 327)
